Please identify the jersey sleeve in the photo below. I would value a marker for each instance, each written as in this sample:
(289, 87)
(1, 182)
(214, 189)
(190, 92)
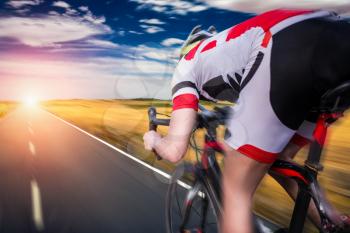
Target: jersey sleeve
(184, 90)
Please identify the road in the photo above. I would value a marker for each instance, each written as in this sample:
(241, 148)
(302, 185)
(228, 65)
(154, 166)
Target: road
(56, 179)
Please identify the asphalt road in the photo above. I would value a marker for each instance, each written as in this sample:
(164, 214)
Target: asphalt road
(56, 179)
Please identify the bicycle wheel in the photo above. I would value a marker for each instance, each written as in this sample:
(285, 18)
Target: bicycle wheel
(190, 209)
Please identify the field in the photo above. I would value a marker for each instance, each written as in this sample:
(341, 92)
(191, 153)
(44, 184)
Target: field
(6, 107)
(123, 123)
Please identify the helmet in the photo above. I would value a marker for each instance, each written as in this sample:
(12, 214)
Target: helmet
(195, 37)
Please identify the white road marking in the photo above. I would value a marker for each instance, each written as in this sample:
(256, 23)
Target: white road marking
(30, 130)
(37, 211)
(31, 148)
(160, 172)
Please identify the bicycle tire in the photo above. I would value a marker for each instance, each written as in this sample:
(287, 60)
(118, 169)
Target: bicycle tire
(178, 204)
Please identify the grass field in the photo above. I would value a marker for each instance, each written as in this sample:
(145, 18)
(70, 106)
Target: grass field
(123, 123)
(6, 107)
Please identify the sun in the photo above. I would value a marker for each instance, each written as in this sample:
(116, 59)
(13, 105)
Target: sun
(30, 101)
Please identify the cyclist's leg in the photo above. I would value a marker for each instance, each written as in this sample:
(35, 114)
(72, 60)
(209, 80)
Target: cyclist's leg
(241, 176)
(271, 108)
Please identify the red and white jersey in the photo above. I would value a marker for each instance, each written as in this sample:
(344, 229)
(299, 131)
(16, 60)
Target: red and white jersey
(220, 67)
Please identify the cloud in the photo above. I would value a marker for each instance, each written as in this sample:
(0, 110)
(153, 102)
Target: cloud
(121, 33)
(53, 13)
(159, 9)
(172, 41)
(151, 29)
(84, 8)
(70, 11)
(88, 15)
(198, 8)
(49, 30)
(135, 32)
(152, 21)
(94, 19)
(22, 10)
(257, 6)
(154, 52)
(102, 43)
(22, 3)
(61, 4)
(181, 7)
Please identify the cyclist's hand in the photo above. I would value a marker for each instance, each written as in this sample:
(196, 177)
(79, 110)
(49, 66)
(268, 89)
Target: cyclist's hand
(150, 139)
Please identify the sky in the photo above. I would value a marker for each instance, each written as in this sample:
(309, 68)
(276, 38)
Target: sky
(108, 49)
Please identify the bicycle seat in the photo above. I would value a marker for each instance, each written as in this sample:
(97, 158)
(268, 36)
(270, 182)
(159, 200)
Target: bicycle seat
(336, 100)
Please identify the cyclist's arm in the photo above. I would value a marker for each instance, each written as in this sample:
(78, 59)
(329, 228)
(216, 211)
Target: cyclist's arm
(173, 146)
(185, 105)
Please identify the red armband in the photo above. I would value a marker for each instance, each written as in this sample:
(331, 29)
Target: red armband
(185, 101)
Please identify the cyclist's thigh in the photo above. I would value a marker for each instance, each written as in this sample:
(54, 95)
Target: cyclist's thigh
(275, 102)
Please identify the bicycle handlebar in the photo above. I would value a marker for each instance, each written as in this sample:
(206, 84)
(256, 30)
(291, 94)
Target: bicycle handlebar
(154, 122)
(218, 115)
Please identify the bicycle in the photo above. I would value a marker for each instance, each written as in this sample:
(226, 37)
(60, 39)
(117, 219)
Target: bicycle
(198, 208)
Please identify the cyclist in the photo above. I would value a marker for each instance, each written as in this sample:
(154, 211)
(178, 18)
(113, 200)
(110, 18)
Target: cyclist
(275, 66)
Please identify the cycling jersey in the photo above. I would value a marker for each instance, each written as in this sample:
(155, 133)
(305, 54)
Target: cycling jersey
(220, 67)
(265, 76)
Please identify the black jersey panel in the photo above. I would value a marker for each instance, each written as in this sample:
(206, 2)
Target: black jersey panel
(292, 92)
(218, 89)
(253, 70)
(331, 63)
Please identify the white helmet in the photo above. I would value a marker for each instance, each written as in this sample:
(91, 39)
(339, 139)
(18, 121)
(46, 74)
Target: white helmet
(195, 37)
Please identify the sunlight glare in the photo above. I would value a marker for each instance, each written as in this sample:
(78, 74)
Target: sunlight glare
(30, 101)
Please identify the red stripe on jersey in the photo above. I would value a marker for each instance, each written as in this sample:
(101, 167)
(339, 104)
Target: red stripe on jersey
(257, 154)
(290, 173)
(190, 55)
(185, 101)
(265, 21)
(266, 39)
(209, 46)
(299, 140)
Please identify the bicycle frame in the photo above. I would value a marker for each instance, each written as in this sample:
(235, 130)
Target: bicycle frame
(305, 176)
(309, 189)
(208, 173)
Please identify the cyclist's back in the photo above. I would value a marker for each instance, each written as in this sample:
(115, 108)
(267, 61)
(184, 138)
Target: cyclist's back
(277, 65)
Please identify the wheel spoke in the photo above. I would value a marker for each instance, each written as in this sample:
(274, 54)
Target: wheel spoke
(177, 201)
(199, 215)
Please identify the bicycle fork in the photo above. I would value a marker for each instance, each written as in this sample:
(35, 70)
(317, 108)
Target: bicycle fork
(188, 205)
